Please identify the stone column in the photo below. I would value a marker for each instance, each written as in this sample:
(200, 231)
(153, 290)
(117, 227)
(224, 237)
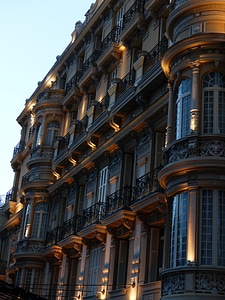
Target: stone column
(170, 118)
(194, 113)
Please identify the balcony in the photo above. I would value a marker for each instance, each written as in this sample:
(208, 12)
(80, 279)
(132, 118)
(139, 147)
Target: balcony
(133, 23)
(50, 95)
(29, 249)
(155, 55)
(89, 70)
(116, 213)
(202, 154)
(110, 47)
(125, 84)
(147, 184)
(72, 91)
(195, 280)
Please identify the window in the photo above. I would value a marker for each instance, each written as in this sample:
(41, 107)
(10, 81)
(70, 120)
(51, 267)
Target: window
(119, 17)
(52, 132)
(121, 258)
(183, 106)
(178, 235)
(154, 253)
(39, 135)
(94, 270)
(40, 220)
(102, 184)
(213, 228)
(32, 280)
(214, 103)
(26, 228)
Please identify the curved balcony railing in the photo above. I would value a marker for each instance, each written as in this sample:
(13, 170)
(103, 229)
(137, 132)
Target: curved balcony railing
(194, 146)
(199, 280)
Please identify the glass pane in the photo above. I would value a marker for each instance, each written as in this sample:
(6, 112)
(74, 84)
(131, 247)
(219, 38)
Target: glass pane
(206, 228)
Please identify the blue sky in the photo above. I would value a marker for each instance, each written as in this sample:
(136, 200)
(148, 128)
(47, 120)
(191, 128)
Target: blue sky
(32, 34)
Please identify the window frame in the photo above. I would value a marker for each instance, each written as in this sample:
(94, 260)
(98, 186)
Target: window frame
(183, 108)
(40, 226)
(213, 103)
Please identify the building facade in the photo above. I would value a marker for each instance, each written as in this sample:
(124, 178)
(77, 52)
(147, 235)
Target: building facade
(120, 169)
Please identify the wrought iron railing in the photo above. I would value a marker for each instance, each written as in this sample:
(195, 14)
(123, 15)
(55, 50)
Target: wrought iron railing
(19, 148)
(155, 54)
(63, 142)
(121, 199)
(147, 184)
(100, 107)
(112, 37)
(70, 227)
(73, 81)
(125, 83)
(80, 127)
(137, 7)
(92, 214)
(52, 236)
(90, 61)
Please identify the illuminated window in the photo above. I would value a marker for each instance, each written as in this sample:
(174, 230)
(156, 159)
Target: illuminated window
(213, 228)
(178, 235)
(52, 132)
(183, 106)
(214, 103)
(40, 220)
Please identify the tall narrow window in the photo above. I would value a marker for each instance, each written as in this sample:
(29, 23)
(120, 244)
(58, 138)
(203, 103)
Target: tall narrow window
(183, 106)
(214, 103)
(40, 220)
(213, 228)
(102, 184)
(119, 17)
(178, 235)
(26, 228)
(120, 272)
(94, 270)
(32, 280)
(52, 132)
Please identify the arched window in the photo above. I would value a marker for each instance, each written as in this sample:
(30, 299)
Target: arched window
(40, 220)
(214, 103)
(52, 132)
(183, 106)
